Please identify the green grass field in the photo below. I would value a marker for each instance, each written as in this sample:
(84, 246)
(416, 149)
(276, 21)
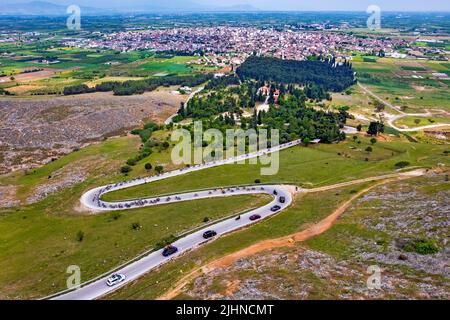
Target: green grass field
(85, 66)
(308, 167)
(38, 242)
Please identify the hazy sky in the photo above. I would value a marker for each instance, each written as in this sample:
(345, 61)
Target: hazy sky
(300, 5)
(352, 5)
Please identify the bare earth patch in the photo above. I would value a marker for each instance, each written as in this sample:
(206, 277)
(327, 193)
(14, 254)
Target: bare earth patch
(8, 197)
(32, 131)
(63, 178)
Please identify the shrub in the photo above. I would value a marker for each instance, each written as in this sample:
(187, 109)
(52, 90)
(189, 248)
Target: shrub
(148, 166)
(159, 169)
(125, 169)
(115, 216)
(80, 236)
(257, 180)
(165, 242)
(205, 219)
(369, 149)
(136, 226)
(422, 246)
(402, 164)
(131, 162)
(165, 145)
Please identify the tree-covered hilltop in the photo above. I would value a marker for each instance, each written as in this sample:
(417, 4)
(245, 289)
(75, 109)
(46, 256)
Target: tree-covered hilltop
(327, 74)
(224, 108)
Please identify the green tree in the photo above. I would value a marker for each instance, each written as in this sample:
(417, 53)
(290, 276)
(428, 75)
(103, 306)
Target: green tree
(306, 141)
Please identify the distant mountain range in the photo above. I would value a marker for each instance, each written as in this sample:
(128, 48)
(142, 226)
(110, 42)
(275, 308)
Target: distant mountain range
(42, 8)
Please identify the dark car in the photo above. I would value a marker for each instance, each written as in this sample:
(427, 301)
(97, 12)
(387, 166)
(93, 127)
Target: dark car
(255, 217)
(275, 208)
(275, 192)
(169, 250)
(209, 234)
(282, 199)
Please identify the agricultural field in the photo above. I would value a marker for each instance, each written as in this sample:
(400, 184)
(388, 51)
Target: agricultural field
(411, 84)
(46, 68)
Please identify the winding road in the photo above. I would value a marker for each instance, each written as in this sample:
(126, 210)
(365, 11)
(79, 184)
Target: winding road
(402, 114)
(92, 201)
(169, 120)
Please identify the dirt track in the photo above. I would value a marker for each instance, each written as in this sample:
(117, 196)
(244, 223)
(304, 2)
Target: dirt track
(289, 240)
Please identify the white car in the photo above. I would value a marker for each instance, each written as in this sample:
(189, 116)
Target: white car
(115, 279)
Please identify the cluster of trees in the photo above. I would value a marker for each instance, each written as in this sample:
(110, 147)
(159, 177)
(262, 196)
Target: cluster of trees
(220, 110)
(294, 120)
(78, 89)
(316, 92)
(375, 128)
(222, 82)
(147, 144)
(209, 105)
(139, 86)
(227, 95)
(4, 92)
(325, 73)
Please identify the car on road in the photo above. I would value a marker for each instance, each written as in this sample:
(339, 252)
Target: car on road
(115, 279)
(275, 192)
(169, 250)
(209, 234)
(275, 208)
(255, 217)
(282, 199)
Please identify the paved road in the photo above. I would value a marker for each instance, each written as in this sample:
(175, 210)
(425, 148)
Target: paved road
(391, 122)
(169, 120)
(92, 201)
(392, 119)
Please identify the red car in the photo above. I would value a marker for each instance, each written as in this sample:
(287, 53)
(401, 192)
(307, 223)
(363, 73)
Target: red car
(255, 217)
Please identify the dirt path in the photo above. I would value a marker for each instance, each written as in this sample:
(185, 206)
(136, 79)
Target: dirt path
(392, 119)
(289, 240)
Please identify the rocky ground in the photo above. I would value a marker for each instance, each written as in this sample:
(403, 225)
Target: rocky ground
(65, 177)
(408, 213)
(8, 196)
(35, 131)
(299, 273)
(415, 209)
